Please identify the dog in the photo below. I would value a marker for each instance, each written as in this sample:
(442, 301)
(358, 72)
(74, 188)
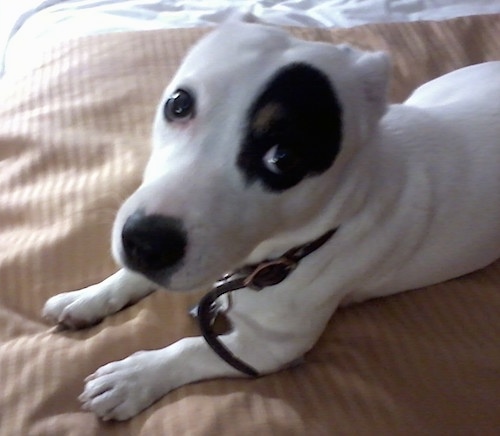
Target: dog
(264, 143)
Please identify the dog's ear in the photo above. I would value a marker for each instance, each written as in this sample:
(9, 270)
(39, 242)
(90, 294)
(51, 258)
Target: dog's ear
(374, 70)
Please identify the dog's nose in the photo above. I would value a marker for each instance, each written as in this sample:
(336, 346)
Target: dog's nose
(152, 242)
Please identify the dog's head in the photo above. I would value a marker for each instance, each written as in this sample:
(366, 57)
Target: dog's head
(251, 143)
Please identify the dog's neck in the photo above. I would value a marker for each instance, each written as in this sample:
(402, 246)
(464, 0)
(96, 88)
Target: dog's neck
(256, 277)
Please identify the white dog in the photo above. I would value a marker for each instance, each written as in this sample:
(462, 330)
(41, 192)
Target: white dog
(264, 143)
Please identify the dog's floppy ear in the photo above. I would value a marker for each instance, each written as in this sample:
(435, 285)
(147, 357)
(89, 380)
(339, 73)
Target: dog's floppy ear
(374, 69)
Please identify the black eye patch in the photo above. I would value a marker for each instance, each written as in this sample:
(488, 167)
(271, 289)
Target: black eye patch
(293, 129)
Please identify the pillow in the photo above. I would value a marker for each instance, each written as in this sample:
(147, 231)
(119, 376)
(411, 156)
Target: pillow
(74, 138)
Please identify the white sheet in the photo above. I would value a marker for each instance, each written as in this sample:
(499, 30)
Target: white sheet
(28, 24)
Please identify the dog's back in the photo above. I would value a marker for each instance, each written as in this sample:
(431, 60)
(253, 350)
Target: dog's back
(479, 83)
(446, 139)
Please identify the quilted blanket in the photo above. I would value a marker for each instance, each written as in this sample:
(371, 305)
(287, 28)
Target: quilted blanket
(74, 138)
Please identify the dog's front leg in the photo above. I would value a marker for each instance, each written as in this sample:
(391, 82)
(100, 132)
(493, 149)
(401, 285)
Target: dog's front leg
(88, 306)
(120, 390)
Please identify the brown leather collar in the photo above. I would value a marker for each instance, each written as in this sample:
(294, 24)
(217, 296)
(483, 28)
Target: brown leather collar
(257, 277)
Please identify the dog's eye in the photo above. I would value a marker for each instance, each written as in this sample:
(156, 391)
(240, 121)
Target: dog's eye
(180, 106)
(280, 160)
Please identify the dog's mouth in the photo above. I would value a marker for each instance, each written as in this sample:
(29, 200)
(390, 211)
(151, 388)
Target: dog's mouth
(173, 255)
(270, 272)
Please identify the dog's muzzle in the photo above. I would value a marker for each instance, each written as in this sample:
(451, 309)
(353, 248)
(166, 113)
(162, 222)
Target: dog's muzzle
(152, 243)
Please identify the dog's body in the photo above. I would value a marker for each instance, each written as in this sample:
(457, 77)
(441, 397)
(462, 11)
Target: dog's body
(264, 142)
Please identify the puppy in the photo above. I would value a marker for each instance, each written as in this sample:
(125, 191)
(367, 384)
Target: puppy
(263, 144)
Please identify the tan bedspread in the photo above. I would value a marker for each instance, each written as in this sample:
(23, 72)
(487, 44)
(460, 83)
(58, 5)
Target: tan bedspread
(73, 141)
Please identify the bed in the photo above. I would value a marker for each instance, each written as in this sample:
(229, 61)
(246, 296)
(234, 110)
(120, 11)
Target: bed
(79, 87)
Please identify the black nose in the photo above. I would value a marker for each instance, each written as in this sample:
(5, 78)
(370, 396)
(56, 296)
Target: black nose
(152, 242)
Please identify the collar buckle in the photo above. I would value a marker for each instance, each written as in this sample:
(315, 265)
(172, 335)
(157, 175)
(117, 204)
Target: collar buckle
(269, 273)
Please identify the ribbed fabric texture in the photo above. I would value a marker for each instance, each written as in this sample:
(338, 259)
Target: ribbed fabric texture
(74, 138)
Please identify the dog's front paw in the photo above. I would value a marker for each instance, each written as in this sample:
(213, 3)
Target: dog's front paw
(88, 306)
(67, 310)
(79, 309)
(120, 390)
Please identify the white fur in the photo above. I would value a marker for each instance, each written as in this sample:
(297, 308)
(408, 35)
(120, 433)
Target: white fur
(415, 191)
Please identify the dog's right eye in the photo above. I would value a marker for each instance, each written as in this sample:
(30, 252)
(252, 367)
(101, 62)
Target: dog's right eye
(280, 160)
(179, 107)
